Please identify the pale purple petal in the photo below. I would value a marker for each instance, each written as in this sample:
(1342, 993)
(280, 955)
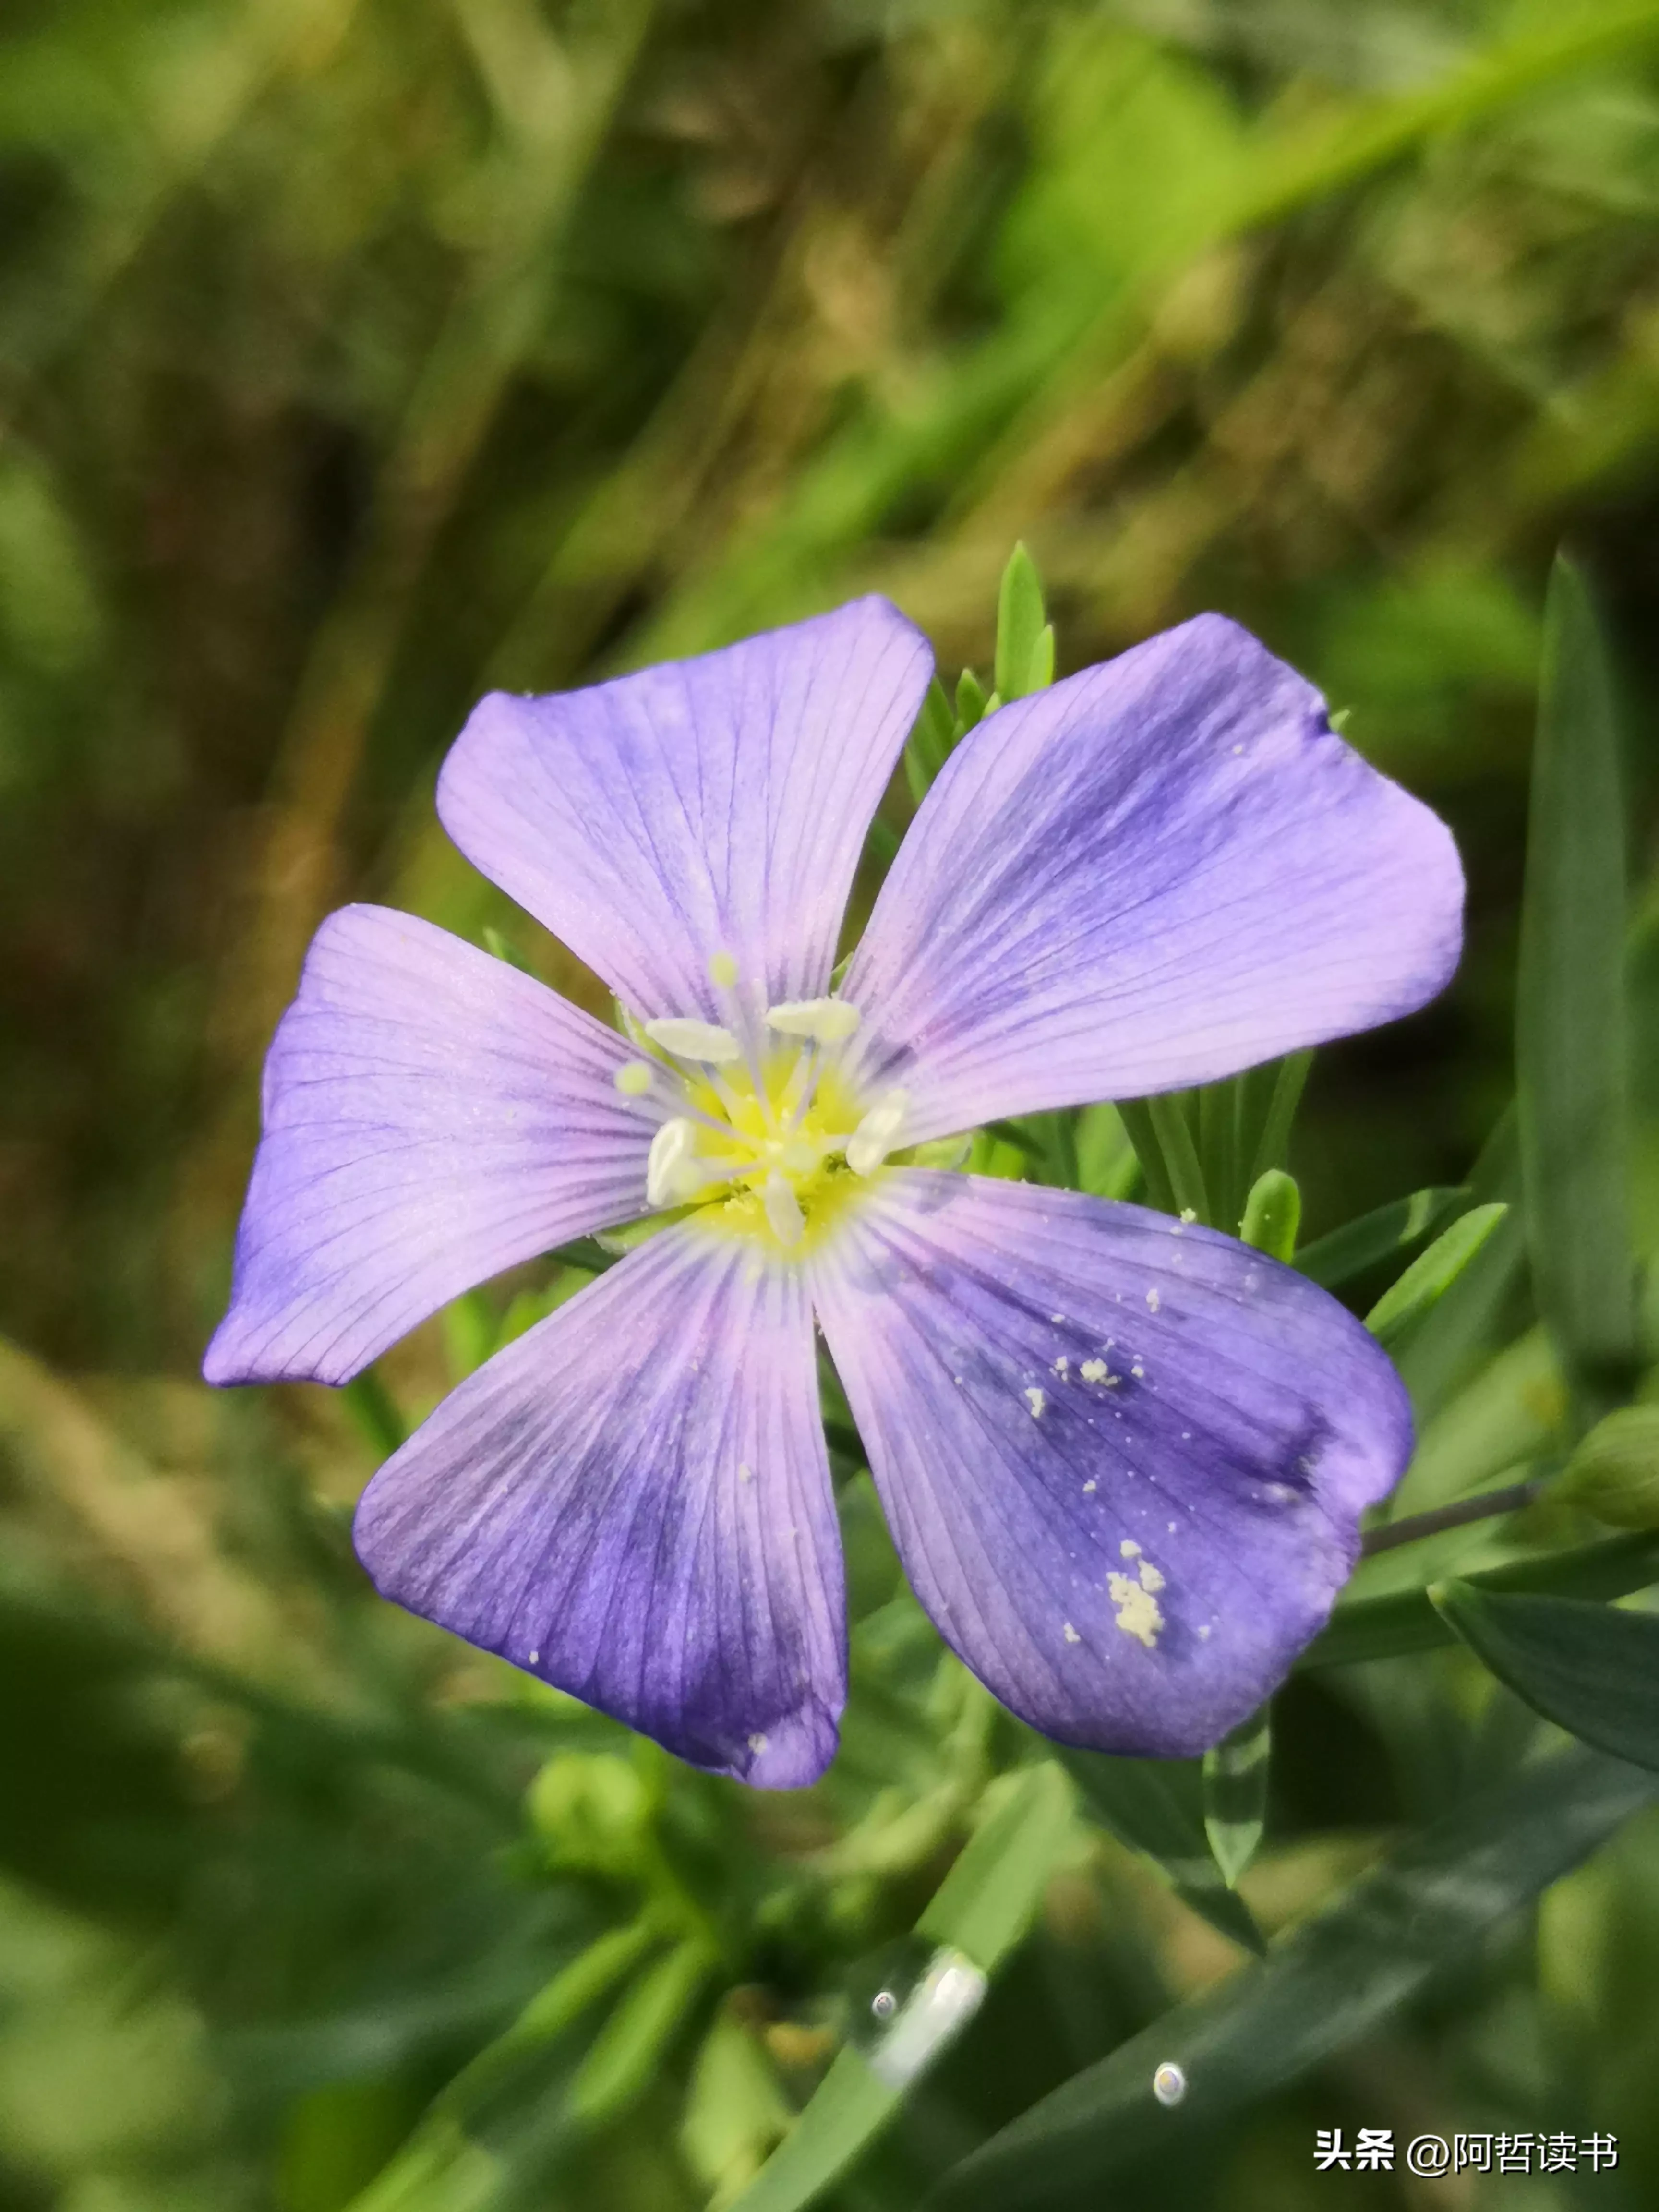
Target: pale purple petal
(710, 805)
(632, 1501)
(1123, 1460)
(1156, 873)
(431, 1116)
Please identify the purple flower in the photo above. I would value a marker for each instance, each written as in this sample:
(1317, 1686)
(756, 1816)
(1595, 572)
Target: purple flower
(1123, 1459)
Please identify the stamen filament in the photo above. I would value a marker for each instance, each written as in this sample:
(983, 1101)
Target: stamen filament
(783, 1213)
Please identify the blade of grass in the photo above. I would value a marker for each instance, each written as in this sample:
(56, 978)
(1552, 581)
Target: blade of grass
(1571, 1060)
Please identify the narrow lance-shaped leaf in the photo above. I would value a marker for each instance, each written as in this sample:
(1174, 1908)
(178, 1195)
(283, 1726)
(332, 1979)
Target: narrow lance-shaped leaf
(1406, 1620)
(982, 1909)
(1136, 1115)
(1590, 1669)
(1025, 643)
(1432, 1275)
(1155, 1806)
(1318, 1991)
(972, 704)
(1181, 1161)
(1572, 1066)
(626, 2052)
(1348, 1251)
(1437, 1362)
(1236, 1793)
(1273, 1139)
(928, 746)
(1218, 1118)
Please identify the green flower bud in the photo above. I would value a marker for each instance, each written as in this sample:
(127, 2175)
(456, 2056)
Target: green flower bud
(593, 1811)
(1614, 1473)
(1273, 1214)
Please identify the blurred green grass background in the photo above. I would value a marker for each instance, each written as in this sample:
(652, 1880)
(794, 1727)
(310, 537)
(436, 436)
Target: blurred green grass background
(355, 357)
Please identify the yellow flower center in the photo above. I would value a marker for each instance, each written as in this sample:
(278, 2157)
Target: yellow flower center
(765, 1136)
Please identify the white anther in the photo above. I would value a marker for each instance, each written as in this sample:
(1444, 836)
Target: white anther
(666, 1180)
(826, 1021)
(878, 1133)
(787, 1221)
(635, 1078)
(690, 1040)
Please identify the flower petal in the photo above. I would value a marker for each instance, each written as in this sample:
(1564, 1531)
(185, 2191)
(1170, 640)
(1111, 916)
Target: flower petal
(431, 1116)
(1158, 873)
(710, 805)
(633, 1502)
(1123, 1460)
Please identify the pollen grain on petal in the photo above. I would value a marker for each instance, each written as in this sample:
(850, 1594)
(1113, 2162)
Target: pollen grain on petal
(1138, 1614)
(1036, 1399)
(635, 1078)
(722, 970)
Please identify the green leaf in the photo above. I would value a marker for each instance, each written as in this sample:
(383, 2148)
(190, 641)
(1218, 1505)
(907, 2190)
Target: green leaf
(1220, 1107)
(928, 746)
(1348, 1251)
(1135, 1113)
(989, 1898)
(582, 1982)
(1171, 1126)
(374, 1410)
(586, 1252)
(504, 949)
(1571, 1060)
(1590, 1669)
(1107, 1166)
(1236, 1793)
(1432, 1275)
(470, 1333)
(1320, 1988)
(1017, 1134)
(1155, 1806)
(626, 2049)
(983, 1907)
(1021, 628)
(1273, 1214)
(734, 2112)
(1406, 1620)
(1437, 1364)
(971, 703)
(1273, 1142)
